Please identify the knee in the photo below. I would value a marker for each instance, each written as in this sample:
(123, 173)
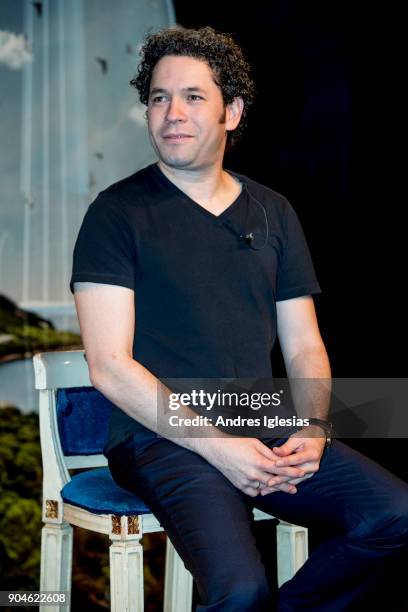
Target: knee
(250, 595)
(397, 525)
(245, 595)
(388, 528)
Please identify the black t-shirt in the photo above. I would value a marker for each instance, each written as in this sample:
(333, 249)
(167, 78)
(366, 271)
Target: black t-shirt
(206, 296)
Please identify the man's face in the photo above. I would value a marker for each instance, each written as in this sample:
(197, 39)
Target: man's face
(187, 119)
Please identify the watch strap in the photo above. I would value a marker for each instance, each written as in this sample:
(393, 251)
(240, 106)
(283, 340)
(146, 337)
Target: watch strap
(327, 427)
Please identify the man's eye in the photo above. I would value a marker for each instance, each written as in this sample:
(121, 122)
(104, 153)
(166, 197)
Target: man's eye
(195, 97)
(157, 99)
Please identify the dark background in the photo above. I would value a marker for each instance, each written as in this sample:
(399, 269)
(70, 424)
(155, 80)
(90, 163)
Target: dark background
(320, 134)
(325, 132)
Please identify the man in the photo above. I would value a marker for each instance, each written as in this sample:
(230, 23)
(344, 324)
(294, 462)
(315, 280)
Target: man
(186, 270)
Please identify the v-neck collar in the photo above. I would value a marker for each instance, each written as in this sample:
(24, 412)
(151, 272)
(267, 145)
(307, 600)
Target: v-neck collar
(225, 213)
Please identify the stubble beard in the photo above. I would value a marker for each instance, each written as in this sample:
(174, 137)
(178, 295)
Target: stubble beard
(179, 163)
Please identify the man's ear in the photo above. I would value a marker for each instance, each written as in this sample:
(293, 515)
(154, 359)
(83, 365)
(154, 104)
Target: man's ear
(234, 113)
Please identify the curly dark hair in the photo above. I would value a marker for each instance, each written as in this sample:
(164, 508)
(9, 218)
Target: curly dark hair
(232, 72)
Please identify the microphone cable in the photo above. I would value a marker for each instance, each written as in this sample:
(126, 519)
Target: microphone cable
(249, 237)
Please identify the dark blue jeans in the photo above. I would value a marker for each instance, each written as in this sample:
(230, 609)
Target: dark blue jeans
(209, 522)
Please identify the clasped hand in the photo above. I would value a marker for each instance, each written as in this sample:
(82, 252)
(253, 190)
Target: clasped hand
(303, 452)
(256, 469)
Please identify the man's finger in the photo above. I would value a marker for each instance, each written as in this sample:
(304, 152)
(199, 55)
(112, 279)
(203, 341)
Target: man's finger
(290, 471)
(284, 487)
(296, 481)
(288, 447)
(251, 491)
(280, 471)
(297, 458)
(278, 479)
(265, 450)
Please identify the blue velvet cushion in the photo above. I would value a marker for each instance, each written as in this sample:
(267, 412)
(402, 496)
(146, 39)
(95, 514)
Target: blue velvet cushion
(96, 491)
(83, 420)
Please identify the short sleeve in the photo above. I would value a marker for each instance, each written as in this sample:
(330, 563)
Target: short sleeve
(296, 274)
(105, 249)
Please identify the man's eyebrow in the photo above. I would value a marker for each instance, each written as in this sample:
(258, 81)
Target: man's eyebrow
(162, 90)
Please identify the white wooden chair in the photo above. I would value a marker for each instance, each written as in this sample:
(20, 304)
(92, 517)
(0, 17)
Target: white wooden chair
(92, 500)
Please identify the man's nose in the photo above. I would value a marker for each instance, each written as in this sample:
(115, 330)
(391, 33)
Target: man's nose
(176, 110)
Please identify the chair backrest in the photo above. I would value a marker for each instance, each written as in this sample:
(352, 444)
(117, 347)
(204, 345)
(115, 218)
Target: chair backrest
(83, 420)
(74, 413)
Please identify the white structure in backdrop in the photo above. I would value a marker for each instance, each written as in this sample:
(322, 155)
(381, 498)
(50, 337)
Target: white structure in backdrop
(82, 128)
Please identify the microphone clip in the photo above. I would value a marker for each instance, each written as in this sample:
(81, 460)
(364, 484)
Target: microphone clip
(249, 238)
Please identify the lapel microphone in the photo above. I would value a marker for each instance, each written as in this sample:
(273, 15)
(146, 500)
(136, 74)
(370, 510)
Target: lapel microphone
(248, 238)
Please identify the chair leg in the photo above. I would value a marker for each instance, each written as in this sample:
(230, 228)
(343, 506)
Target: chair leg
(56, 561)
(126, 576)
(178, 583)
(292, 545)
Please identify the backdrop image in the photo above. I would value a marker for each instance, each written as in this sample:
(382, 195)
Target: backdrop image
(320, 133)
